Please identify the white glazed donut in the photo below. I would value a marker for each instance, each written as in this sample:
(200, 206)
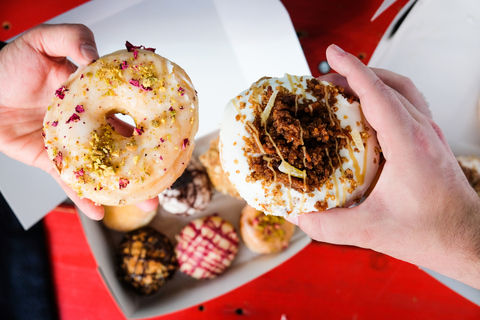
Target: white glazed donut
(293, 144)
(98, 162)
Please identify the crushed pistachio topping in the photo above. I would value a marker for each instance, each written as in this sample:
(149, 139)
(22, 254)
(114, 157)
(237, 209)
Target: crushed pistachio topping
(99, 156)
(132, 145)
(111, 74)
(269, 225)
(148, 82)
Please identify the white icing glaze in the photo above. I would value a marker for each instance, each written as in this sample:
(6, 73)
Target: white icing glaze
(165, 112)
(363, 163)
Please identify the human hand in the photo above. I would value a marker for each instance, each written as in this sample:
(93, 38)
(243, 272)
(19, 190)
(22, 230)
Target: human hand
(422, 209)
(32, 67)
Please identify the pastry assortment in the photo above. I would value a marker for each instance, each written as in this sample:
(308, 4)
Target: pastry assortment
(296, 144)
(146, 260)
(117, 165)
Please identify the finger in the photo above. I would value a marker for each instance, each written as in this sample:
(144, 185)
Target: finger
(120, 126)
(64, 40)
(385, 113)
(404, 86)
(149, 205)
(88, 207)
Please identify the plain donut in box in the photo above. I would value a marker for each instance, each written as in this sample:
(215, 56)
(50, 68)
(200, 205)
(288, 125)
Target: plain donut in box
(296, 144)
(98, 162)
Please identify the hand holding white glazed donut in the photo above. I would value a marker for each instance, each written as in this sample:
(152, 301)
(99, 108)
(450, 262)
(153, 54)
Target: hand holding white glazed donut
(32, 67)
(422, 209)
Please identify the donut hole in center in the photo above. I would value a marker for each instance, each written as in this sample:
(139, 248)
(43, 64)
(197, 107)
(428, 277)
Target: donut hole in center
(122, 123)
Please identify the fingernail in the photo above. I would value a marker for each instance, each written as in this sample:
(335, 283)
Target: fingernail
(293, 219)
(337, 48)
(89, 52)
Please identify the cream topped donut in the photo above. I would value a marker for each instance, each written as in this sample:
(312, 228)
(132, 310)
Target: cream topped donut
(98, 162)
(294, 144)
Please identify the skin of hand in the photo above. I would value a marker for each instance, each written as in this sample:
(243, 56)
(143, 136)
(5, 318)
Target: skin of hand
(32, 67)
(422, 209)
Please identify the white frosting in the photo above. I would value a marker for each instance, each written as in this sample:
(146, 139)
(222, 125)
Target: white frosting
(364, 163)
(165, 111)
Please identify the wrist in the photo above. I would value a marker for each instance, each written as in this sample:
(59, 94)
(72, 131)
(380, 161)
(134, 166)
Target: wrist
(462, 243)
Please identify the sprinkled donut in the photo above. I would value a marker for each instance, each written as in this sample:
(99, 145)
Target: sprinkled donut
(294, 144)
(264, 233)
(98, 162)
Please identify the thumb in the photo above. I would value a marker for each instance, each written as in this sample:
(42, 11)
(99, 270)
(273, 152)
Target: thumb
(346, 226)
(64, 40)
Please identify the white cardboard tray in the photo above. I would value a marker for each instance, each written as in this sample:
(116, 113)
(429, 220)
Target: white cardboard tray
(183, 291)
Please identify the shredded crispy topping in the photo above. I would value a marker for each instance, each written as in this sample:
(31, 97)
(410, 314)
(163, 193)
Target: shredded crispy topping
(300, 138)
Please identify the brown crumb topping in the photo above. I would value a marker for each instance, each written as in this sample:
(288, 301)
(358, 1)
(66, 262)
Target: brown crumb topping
(307, 135)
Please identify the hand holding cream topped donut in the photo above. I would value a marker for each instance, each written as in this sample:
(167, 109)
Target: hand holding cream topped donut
(113, 168)
(296, 144)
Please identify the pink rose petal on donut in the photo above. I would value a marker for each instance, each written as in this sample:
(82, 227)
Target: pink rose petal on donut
(58, 160)
(60, 92)
(181, 91)
(55, 123)
(134, 83)
(130, 47)
(79, 173)
(79, 108)
(135, 54)
(123, 65)
(139, 131)
(122, 184)
(186, 143)
(73, 118)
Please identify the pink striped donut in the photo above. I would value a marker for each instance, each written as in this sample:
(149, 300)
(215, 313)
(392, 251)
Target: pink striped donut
(206, 247)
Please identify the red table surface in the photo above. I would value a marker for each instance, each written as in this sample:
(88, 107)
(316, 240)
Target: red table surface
(322, 281)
